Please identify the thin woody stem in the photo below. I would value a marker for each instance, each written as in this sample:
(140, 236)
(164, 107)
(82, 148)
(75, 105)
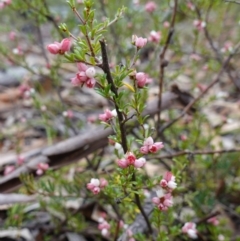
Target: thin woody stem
(216, 80)
(106, 69)
(163, 63)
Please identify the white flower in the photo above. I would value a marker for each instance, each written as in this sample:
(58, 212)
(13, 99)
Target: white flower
(104, 232)
(172, 184)
(192, 233)
(160, 193)
(90, 72)
(114, 113)
(95, 182)
(117, 146)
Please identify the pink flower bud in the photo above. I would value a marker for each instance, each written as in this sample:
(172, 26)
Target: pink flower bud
(148, 141)
(54, 48)
(65, 45)
(163, 183)
(154, 37)
(141, 79)
(166, 24)
(139, 42)
(75, 81)
(90, 83)
(155, 147)
(190, 230)
(150, 7)
(140, 162)
(199, 24)
(214, 221)
(82, 67)
(60, 48)
(144, 149)
(82, 76)
(123, 163)
(130, 158)
(107, 116)
(103, 182)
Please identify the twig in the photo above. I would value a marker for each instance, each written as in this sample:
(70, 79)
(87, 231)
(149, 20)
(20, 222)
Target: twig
(204, 219)
(164, 63)
(72, 149)
(106, 69)
(48, 15)
(216, 80)
(198, 152)
(210, 41)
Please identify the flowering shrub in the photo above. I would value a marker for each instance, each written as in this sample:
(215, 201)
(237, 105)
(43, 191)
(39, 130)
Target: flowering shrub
(150, 182)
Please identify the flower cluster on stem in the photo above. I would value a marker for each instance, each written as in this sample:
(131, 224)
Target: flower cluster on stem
(96, 185)
(84, 76)
(60, 47)
(190, 229)
(108, 115)
(131, 160)
(149, 146)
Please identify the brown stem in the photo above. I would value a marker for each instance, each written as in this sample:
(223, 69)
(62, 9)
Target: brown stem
(138, 203)
(215, 50)
(164, 63)
(216, 80)
(198, 152)
(106, 69)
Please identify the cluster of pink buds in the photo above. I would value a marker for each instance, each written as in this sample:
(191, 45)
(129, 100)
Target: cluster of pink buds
(150, 146)
(8, 169)
(142, 79)
(150, 7)
(96, 185)
(168, 182)
(26, 91)
(190, 230)
(41, 168)
(199, 24)
(5, 3)
(164, 195)
(166, 24)
(131, 160)
(228, 47)
(191, 6)
(214, 221)
(104, 226)
(60, 48)
(139, 42)
(108, 115)
(154, 36)
(68, 114)
(163, 200)
(17, 51)
(84, 76)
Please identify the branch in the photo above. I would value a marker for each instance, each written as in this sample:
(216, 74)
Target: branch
(72, 149)
(198, 152)
(164, 63)
(216, 80)
(106, 69)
